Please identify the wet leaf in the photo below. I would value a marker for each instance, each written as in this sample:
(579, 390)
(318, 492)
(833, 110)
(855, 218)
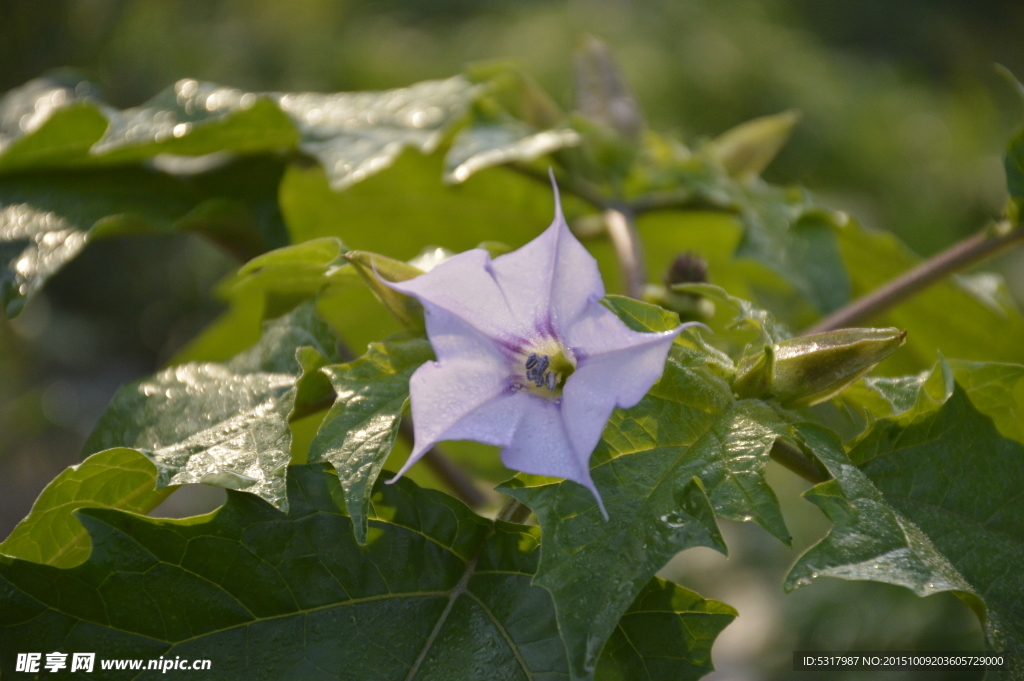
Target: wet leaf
(666, 634)
(484, 145)
(219, 424)
(664, 468)
(47, 219)
(438, 593)
(353, 135)
(359, 431)
(122, 479)
(933, 505)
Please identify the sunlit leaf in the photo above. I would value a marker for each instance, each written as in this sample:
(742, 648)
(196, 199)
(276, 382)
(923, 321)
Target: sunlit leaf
(47, 219)
(664, 468)
(353, 135)
(360, 429)
(122, 479)
(219, 424)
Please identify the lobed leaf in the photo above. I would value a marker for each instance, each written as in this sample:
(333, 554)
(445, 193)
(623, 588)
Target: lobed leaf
(220, 424)
(437, 593)
(359, 431)
(47, 219)
(934, 504)
(121, 479)
(686, 452)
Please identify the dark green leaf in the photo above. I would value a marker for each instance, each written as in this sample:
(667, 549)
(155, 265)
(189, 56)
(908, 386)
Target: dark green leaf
(666, 634)
(219, 424)
(360, 429)
(46, 219)
(869, 540)
(437, 593)
(686, 452)
(115, 478)
(934, 505)
(952, 474)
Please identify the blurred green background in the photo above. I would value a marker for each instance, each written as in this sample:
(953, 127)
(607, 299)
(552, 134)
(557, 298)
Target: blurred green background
(904, 124)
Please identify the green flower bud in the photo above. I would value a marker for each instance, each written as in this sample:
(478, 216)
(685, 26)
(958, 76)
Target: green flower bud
(374, 267)
(805, 371)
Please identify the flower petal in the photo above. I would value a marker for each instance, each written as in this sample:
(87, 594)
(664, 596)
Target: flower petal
(551, 280)
(470, 372)
(616, 367)
(541, 445)
(464, 286)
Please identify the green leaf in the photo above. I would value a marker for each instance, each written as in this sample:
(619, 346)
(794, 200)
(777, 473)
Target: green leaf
(957, 478)
(875, 258)
(485, 145)
(869, 540)
(116, 478)
(219, 424)
(352, 134)
(747, 149)
(686, 452)
(437, 593)
(666, 634)
(359, 431)
(995, 389)
(47, 219)
(784, 231)
(934, 505)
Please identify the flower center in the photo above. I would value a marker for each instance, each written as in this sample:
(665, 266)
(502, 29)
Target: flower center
(546, 369)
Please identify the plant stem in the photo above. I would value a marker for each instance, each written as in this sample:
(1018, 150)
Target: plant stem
(570, 185)
(680, 199)
(513, 511)
(453, 477)
(970, 251)
(628, 249)
(792, 458)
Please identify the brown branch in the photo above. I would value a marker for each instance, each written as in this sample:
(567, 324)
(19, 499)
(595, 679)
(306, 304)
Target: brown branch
(983, 245)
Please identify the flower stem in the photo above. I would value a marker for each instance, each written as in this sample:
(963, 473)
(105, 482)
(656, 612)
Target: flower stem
(791, 457)
(514, 511)
(970, 251)
(628, 249)
(453, 477)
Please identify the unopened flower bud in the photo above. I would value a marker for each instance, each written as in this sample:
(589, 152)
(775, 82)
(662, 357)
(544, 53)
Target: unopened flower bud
(805, 371)
(373, 267)
(687, 268)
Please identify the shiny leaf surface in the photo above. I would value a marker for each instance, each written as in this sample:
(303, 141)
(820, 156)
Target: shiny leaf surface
(438, 593)
(359, 431)
(219, 424)
(664, 468)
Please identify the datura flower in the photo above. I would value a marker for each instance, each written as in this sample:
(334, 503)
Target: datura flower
(528, 359)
